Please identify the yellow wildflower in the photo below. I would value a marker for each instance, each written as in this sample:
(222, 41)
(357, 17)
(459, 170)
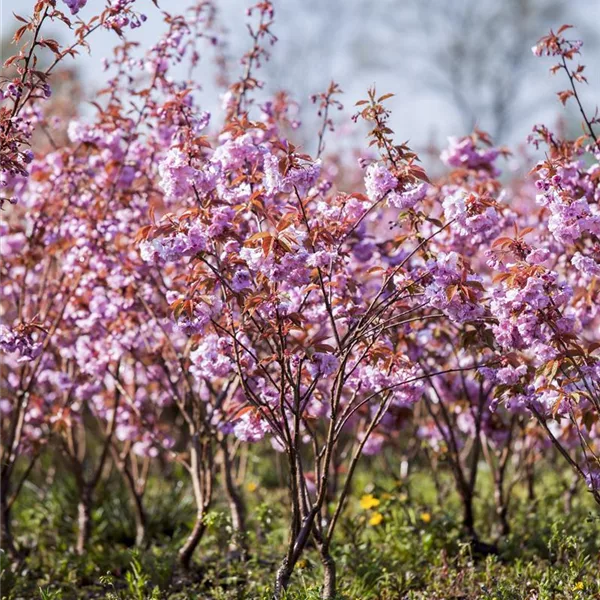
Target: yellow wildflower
(376, 518)
(368, 501)
(578, 587)
(251, 487)
(425, 517)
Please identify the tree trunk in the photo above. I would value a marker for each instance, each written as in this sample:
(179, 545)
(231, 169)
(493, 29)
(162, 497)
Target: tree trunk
(84, 521)
(296, 545)
(137, 505)
(139, 515)
(282, 579)
(187, 550)
(6, 538)
(468, 516)
(236, 505)
(502, 513)
(504, 524)
(530, 474)
(329, 583)
(570, 493)
(201, 472)
(501, 504)
(479, 547)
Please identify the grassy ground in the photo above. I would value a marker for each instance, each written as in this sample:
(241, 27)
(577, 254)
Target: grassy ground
(406, 547)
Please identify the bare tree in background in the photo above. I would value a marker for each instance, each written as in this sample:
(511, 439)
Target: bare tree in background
(474, 54)
(477, 54)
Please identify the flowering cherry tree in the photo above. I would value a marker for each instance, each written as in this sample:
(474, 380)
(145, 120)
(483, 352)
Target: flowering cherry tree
(546, 296)
(178, 287)
(293, 290)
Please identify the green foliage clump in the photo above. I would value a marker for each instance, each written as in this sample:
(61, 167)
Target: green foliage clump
(394, 541)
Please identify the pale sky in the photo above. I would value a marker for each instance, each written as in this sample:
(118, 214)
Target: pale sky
(350, 41)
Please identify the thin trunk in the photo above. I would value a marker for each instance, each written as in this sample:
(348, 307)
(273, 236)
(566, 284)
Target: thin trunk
(139, 515)
(187, 550)
(468, 515)
(404, 468)
(84, 521)
(296, 545)
(236, 504)
(441, 495)
(501, 502)
(9, 456)
(503, 517)
(328, 592)
(479, 547)
(465, 486)
(530, 475)
(282, 579)
(201, 471)
(501, 510)
(137, 504)
(329, 580)
(570, 493)
(6, 537)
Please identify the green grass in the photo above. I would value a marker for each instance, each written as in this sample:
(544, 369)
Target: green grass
(416, 552)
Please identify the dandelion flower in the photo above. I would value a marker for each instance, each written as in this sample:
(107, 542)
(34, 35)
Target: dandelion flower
(368, 501)
(376, 519)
